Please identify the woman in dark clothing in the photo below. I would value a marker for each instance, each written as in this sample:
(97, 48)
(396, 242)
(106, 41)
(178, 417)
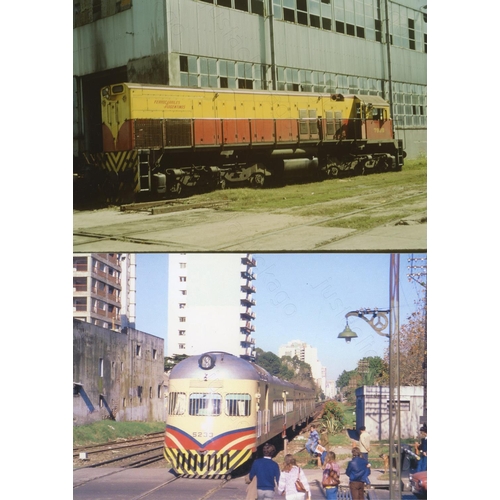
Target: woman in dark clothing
(357, 471)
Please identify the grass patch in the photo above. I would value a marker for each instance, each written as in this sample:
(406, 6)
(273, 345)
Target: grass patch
(386, 186)
(105, 431)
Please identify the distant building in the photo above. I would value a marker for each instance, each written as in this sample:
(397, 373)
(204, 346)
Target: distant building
(372, 410)
(307, 354)
(104, 289)
(331, 389)
(210, 299)
(116, 375)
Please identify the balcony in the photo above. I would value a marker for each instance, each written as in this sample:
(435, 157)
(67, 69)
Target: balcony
(248, 288)
(248, 261)
(247, 328)
(248, 342)
(248, 314)
(247, 301)
(248, 275)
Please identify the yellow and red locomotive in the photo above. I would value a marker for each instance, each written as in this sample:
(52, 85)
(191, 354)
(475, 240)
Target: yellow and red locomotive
(221, 408)
(162, 140)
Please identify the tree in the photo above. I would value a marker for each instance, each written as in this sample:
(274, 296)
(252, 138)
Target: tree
(269, 361)
(170, 362)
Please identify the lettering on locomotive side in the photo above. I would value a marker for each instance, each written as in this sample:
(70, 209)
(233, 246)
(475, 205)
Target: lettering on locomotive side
(203, 434)
(170, 103)
(379, 130)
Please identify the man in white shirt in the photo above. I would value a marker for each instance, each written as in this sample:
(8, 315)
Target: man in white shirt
(364, 442)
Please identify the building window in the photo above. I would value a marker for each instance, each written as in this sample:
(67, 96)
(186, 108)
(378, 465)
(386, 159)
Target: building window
(101, 401)
(101, 367)
(411, 33)
(139, 393)
(182, 305)
(182, 319)
(182, 265)
(289, 15)
(184, 292)
(150, 393)
(155, 354)
(124, 402)
(378, 30)
(182, 278)
(182, 332)
(241, 5)
(159, 391)
(182, 346)
(138, 350)
(258, 7)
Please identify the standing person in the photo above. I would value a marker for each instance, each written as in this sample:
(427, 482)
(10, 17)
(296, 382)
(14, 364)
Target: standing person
(357, 471)
(313, 440)
(289, 474)
(422, 449)
(364, 442)
(332, 470)
(267, 472)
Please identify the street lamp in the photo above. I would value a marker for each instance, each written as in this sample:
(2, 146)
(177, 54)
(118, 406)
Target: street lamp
(379, 321)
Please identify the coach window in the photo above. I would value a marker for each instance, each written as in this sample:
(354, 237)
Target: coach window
(238, 405)
(206, 405)
(176, 403)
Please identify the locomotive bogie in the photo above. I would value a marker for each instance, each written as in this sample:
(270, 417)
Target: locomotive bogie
(221, 408)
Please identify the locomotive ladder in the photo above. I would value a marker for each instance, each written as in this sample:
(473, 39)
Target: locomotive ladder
(144, 170)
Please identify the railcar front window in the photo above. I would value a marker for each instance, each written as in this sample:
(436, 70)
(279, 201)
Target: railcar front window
(176, 403)
(206, 405)
(238, 405)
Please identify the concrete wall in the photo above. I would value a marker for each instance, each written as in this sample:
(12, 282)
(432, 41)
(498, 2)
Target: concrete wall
(372, 404)
(117, 376)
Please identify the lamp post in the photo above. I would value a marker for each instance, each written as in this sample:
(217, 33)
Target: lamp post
(379, 321)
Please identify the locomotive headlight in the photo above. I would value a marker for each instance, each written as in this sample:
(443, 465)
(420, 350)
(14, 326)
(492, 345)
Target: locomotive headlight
(105, 92)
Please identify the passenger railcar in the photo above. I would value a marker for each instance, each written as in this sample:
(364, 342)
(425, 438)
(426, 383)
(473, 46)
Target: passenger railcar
(221, 408)
(162, 140)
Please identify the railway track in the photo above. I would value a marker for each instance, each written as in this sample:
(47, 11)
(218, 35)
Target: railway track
(146, 451)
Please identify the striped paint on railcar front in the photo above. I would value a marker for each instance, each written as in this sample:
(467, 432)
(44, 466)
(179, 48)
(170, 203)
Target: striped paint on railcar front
(218, 455)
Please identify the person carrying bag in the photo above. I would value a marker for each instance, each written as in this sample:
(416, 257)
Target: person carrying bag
(331, 476)
(293, 482)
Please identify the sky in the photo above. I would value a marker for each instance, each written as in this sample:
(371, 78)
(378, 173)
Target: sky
(301, 297)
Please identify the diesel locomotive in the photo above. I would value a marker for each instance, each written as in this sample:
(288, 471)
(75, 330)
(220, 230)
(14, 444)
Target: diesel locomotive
(221, 408)
(162, 140)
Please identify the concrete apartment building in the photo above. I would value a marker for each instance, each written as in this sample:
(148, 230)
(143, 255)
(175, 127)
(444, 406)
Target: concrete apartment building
(327, 46)
(117, 375)
(307, 354)
(104, 289)
(210, 299)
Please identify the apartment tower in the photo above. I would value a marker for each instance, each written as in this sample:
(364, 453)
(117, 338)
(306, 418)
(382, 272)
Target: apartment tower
(210, 299)
(104, 289)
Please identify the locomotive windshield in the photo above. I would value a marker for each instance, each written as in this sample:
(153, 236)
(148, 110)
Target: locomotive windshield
(206, 405)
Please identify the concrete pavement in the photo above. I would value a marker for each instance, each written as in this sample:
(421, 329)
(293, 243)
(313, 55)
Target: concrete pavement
(206, 229)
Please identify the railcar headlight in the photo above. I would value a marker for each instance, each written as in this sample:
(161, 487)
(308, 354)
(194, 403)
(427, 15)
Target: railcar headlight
(105, 92)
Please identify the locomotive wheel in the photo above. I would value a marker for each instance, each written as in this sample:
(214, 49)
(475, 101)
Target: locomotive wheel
(257, 180)
(332, 172)
(176, 188)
